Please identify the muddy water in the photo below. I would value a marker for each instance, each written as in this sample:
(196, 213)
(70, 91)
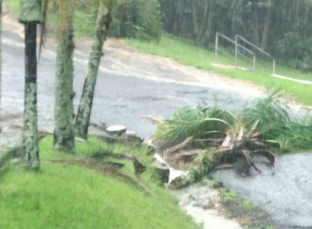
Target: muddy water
(199, 201)
(285, 194)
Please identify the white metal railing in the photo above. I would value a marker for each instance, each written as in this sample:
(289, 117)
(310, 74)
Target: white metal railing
(237, 45)
(237, 38)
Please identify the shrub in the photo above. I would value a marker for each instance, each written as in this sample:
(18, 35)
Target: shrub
(138, 19)
(267, 115)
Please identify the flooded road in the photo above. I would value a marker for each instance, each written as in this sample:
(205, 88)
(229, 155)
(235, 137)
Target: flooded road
(285, 194)
(132, 84)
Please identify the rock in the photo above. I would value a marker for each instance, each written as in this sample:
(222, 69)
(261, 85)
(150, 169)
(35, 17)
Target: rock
(116, 129)
(131, 133)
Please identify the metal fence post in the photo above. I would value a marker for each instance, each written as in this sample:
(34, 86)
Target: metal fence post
(216, 47)
(236, 50)
(273, 66)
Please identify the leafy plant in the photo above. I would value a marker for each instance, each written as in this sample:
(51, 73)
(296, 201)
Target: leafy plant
(200, 121)
(137, 19)
(264, 122)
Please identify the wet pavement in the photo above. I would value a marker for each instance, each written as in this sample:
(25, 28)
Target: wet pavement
(286, 193)
(130, 84)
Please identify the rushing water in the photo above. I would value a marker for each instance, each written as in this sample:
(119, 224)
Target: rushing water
(285, 194)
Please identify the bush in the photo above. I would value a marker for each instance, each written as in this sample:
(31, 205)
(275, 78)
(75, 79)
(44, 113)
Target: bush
(268, 115)
(295, 51)
(138, 19)
(201, 121)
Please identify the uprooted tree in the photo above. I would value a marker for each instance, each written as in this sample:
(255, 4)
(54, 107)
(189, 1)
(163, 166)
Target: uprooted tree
(211, 138)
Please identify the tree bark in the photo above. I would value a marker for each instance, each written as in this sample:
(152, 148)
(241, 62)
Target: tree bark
(266, 29)
(30, 135)
(63, 111)
(85, 106)
(0, 52)
(255, 23)
(203, 26)
(194, 14)
(210, 20)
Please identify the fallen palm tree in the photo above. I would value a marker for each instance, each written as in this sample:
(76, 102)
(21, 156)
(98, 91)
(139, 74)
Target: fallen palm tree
(232, 147)
(215, 138)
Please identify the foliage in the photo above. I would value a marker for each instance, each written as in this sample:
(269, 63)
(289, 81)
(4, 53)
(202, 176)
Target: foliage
(30, 11)
(271, 114)
(73, 197)
(134, 19)
(200, 121)
(288, 36)
(294, 50)
(266, 119)
(137, 19)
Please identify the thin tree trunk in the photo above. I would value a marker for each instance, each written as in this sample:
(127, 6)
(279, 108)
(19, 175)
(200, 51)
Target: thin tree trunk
(255, 23)
(85, 106)
(266, 29)
(203, 26)
(194, 14)
(210, 19)
(63, 111)
(0, 53)
(206, 25)
(30, 136)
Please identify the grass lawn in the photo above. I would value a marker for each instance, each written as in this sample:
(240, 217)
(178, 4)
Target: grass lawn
(187, 53)
(63, 196)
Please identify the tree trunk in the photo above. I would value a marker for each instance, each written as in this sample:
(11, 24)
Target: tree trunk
(266, 29)
(203, 26)
(63, 111)
(194, 14)
(30, 136)
(210, 19)
(255, 23)
(0, 52)
(85, 106)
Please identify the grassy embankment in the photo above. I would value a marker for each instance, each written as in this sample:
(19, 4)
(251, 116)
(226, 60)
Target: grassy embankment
(187, 53)
(64, 196)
